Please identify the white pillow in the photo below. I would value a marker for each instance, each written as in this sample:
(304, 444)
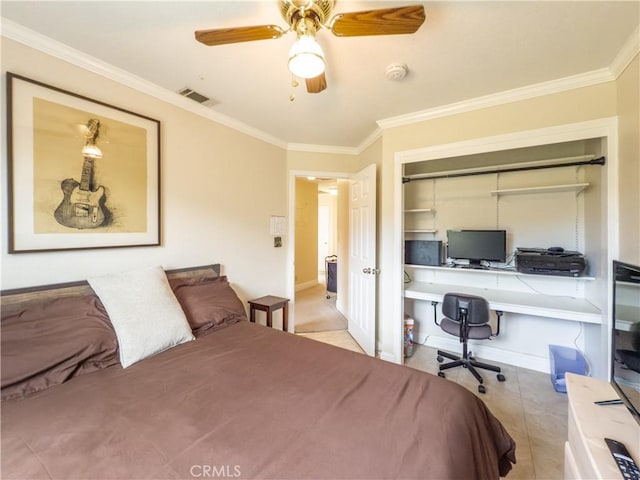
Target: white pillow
(144, 312)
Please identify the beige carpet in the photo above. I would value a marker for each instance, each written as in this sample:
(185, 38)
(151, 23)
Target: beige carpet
(315, 313)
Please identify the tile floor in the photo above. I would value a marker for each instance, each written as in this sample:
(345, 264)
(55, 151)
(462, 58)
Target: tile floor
(533, 413)
(339, 338)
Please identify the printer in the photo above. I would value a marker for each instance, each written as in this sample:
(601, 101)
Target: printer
(551, 261)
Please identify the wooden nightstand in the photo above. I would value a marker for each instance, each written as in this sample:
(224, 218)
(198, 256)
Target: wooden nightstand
(269, 304)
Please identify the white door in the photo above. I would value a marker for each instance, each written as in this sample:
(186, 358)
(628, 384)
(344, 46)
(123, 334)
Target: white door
(362, 259)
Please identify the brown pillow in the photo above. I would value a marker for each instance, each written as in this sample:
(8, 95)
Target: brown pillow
(49, 342)
(210, 305)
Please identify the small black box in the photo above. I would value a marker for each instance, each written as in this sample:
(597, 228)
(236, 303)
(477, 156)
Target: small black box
(423, 252)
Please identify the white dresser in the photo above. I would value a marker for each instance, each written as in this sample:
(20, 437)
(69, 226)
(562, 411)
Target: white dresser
(586, 455)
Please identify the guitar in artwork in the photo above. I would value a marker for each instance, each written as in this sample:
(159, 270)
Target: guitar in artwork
(83, 205)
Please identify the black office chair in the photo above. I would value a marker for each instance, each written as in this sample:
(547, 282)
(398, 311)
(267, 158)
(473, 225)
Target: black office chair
(467, 317)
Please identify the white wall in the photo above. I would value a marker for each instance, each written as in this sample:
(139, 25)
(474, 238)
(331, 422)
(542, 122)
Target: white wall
(219, 189)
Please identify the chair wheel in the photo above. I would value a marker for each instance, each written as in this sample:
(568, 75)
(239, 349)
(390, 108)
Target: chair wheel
(482, 388)
(441, 374)
(501, 377)
(439, 359)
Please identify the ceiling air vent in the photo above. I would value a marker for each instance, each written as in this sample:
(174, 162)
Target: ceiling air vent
(198, 97)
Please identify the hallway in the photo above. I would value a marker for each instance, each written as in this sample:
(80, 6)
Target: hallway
(315, 313)
(318, 318)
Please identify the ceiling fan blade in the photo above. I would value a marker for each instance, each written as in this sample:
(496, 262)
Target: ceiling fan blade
(222, 36)
(387, 21)
(316, 84)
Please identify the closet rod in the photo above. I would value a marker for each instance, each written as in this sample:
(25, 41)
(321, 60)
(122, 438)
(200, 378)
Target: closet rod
(435, 176)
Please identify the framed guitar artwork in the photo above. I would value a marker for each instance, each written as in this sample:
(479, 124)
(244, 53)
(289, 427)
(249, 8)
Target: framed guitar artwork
(82, 173)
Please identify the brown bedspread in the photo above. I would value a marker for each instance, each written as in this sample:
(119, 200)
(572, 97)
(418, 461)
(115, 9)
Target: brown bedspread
(251, 402)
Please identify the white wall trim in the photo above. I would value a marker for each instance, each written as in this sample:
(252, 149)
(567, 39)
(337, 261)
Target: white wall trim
(491, 354)
(386, 356)
(628, 52)
(370, 140)
(80, 59)
(527, 138)
(366, 143)
(599, 128)
(307, 147)
(30, 38)
(397, 274)
(501, 98)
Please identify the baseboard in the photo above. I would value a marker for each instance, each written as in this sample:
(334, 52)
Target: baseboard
(389, 357)
(382, 355)
(305, 285)
(492, 354)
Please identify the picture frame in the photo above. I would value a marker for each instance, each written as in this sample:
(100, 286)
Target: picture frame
(82, 174)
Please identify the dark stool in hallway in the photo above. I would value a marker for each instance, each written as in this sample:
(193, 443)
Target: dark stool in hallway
(269, 304)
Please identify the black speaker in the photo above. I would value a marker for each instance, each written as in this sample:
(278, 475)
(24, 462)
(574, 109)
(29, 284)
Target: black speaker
(423, 252)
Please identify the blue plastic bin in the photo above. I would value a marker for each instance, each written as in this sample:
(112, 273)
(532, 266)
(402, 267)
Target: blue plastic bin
(563, 360)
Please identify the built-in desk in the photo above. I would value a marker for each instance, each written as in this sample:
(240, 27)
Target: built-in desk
(539, 305)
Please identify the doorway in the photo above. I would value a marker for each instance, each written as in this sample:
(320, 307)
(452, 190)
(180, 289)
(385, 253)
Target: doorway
(356, 297)
(318, 296)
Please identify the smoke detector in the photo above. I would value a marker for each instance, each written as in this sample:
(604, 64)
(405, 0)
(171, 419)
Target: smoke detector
(396, 72)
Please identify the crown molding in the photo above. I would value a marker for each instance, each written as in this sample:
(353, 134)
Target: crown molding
(501, 98)
(370, 140)
(311, 148)
(625, 56)
(30, 38)
(366, 143)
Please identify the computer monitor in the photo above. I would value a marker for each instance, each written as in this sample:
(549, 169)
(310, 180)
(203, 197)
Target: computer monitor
(477, 246)
(625, 335)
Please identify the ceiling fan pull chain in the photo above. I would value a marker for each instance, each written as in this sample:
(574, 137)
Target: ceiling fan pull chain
(294, 84)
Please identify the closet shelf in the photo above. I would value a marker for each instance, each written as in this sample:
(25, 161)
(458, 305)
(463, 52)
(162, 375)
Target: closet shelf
(419, 230)
(418, 210)
(573, 187)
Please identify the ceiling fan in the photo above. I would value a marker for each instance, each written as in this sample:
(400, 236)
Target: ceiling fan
(306, 18)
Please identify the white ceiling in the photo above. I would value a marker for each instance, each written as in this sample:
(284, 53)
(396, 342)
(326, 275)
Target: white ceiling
(464, 50)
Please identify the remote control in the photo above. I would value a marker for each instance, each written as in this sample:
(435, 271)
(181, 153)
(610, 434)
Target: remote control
(616, 401)
(621, 455)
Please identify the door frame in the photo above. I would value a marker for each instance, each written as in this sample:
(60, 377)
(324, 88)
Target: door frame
(606, 128)
(291, 245)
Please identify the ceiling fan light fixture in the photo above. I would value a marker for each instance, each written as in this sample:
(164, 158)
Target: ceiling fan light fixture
(306, 58)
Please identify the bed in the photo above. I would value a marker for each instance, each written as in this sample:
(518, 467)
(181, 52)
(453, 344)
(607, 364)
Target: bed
(239, 401)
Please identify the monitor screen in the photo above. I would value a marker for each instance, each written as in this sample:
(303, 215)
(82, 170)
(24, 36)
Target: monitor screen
(477, 245)
(625, 335)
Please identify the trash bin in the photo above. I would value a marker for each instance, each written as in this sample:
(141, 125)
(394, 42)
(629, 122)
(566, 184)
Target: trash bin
(331, 269)
(408, 336)
(563, 360)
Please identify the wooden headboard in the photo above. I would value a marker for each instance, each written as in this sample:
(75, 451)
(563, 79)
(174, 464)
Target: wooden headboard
(43, 292)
